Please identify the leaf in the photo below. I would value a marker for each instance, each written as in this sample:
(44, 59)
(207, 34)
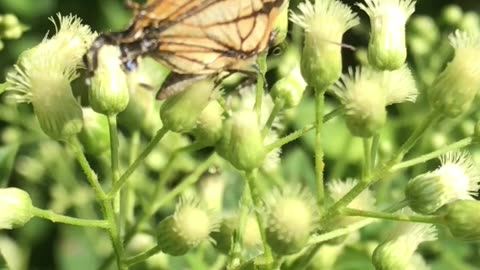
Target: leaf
(7, 158)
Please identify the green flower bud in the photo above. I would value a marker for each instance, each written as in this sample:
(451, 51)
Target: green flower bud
(222, 239)
(452, 15)
(462, 219)
(364, 98)
(242, 141)
(470, 22)
(426, 28)
(95, 136)
(387, 48)
(44, 74)
(454, 90)
(291, 218)
(186, 229)
(396, 252)
(209, 124)
(180, 112)
(288, 91)
(456, 179)
(109, 93)
(16, 208)
(251, 238)
(321, 63)
(365, 93)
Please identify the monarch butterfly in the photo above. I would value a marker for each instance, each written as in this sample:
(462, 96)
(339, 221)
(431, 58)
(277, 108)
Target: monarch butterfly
(194, 38)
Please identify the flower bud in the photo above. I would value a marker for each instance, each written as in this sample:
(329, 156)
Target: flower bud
(456, 179)
(291, 218)
(186, 228)
(454, 90)
(387, 48)
(251, 238)
(109, 88)
(288, 91)
(470, 22)
(462, 219)
(10, 27)
(364, 98)
(222, 239)
(452, 15)
(337, 189)
(242, 141)
(43, 76)
(321, 62)
(180, 112)
(396, 252)
(209, 124)
(15, 207)
(94, 136)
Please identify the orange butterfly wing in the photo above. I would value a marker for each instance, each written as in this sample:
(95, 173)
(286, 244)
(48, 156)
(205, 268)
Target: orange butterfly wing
(208, 36)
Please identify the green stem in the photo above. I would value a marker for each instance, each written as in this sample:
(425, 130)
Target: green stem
(184, 184)
(268, 125)
(367, 157)
(262, 66)
(53, 217)
(374, 151)
(423, 158)
(236, 252)
(258, 204)
(114, 157)
(339, 232)
(390, 216)
(319, 163)
(151, 145)
(113, 232)
(299, 133)
(89, 172)
(114, 167)
(143, 256)
(380, 171)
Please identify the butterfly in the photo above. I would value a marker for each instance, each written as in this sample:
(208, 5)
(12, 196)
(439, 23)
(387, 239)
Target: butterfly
(194, 38)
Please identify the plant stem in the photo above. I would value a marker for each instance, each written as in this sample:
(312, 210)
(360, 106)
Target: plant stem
(235, 253)
(380, 171)
(109, 214)
(262, 67)
(258, 204)
(367, 157)
(339, 232)
(143, 256)
(374, 151)
(319, 163)
(89, 172)
(390, 216)
(299, 133)
(268, 125)
(114, 167)
(151, 145)
(423, 158)
(53, 217)
(114, 158)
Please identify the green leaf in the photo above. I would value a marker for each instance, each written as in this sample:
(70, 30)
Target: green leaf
(7, 158)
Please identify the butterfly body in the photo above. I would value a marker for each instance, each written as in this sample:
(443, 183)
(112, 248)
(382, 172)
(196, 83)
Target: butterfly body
(195, 38)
